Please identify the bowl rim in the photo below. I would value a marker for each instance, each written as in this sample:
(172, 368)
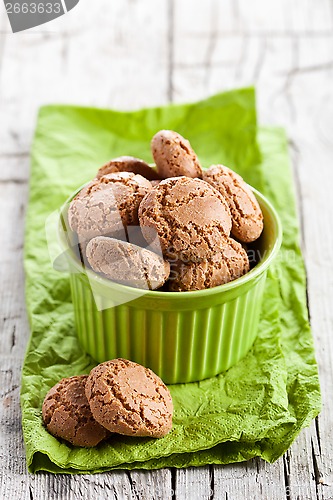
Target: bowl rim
(256, 271)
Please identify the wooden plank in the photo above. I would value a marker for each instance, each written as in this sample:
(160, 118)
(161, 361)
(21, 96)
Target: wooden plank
(13, 321)
(13, 477)
(277, 18)
(14, 169)
(113, 486)
(312, 149)
(299, 469)
(283, 17)
(155, 485)
(13, 482)
(194, 483)
(209, 64)
(129, 72)
(251, 480)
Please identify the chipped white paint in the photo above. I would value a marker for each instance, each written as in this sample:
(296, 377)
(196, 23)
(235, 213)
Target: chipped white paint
(129, 54)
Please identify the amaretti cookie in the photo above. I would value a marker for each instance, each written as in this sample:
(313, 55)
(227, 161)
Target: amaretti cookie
(127, 263)
(220, 268)
(128, 164)
(190, 218)
(67, 415)
(129, 399)
(247, 218)
(107, 204)
(174, 155)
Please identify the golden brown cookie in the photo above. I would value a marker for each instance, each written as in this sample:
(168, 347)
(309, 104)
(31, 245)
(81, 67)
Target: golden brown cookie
(190, 218)
(129, 399)
(174, 155)
(128, 164)
(107, 204)
(219, 268)
(127, 263)
(67, 415)
(247, 218)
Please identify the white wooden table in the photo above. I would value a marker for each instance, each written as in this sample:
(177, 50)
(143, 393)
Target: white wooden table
(131, 53)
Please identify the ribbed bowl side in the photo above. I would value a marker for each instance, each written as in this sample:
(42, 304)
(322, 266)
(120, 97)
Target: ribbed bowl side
(194, 345)
(180, 346)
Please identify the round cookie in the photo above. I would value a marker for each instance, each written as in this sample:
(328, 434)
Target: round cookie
(174, 155)
(247, 218)
(127, 263)
(107, 204)
(129, 399)
(128, 164)
(219, 268)
(190, 218)
(67, 415)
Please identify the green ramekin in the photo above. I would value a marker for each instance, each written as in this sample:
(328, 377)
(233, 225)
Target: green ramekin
(181, 336)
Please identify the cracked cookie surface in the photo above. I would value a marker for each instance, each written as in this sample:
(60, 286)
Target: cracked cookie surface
(129, 399)
(67, 415)
(128, 164)
(107, 204)
(220, 268)
(247, 218)
(127, 263)
(190, 218)
(174, 155)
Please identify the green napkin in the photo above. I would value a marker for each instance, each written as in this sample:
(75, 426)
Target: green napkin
(256, 408)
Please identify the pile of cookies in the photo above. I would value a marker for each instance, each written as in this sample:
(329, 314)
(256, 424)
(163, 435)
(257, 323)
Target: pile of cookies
(118, 396)
(195, 222)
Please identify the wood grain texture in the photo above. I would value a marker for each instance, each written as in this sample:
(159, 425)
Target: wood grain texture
(129, 54)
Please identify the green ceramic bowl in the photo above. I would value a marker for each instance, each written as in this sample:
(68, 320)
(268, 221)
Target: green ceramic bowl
(181, 336)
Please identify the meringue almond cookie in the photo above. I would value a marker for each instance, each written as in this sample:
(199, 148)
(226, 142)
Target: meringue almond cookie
(107, 204)
(174, 155)
(128, 164)
(126, 263)
(190, 217)
(247, 218)
(220, 268)
(67, 415)
(129, 399)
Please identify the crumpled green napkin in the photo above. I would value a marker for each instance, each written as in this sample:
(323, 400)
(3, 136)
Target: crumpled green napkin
(256, 408)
